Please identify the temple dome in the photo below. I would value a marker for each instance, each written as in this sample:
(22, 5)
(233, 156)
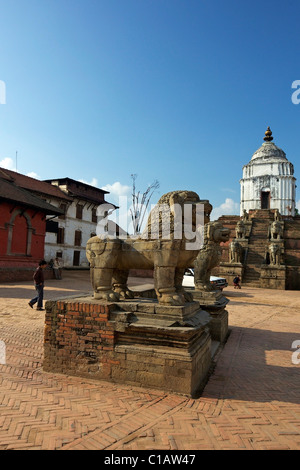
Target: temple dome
(269, 151)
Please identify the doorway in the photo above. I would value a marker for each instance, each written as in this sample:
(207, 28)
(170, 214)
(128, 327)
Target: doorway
(265, 199)
(76, 258)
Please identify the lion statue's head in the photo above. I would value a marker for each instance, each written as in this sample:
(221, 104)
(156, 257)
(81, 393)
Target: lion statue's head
(175, 215)
(214, 232)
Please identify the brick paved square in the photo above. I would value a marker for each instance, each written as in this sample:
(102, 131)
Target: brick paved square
(251, 400)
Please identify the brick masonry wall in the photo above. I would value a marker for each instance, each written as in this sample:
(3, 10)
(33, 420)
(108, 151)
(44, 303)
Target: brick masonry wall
(79, 339)
(21, 274)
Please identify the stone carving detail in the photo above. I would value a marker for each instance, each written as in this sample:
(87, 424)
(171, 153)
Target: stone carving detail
(210, 255)
(240, 229)
(274, 251)
(245, 216)
(276, 231)
(111, 259)
(235, 252)
(277, 215)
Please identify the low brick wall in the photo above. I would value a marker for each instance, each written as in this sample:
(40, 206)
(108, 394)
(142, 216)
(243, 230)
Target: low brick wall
(79, 339)
(21, 274)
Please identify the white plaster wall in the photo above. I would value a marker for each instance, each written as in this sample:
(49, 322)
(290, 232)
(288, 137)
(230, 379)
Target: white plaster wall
(282, 189)
(71, 224)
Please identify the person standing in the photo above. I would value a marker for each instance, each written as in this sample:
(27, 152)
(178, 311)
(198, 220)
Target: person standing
(57, 268)
(38, 278)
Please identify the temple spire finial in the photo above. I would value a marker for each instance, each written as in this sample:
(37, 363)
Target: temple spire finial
(268, 135)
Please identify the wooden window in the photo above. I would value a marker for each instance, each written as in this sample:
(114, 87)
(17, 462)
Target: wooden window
(94, 216)
(79, 211)
(78, 237)
(63, 206)
(61, 235)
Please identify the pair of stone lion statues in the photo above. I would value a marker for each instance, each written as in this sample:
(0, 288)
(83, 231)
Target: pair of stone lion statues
(168, 254)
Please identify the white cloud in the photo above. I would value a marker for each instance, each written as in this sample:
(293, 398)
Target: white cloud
(117, 190)
(229, 207)
(8, 164)
(298, 205)
(32, 174)
(94, 182)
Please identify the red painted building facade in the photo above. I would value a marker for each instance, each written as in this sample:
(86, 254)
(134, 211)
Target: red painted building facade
(22, 230)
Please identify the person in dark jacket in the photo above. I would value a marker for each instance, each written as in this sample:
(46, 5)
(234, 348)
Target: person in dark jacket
(236, 282)
(38, 278)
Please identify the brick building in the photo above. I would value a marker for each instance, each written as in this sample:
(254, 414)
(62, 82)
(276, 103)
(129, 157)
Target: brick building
(22, 228)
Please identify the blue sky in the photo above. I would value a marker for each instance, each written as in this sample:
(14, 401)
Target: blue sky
(180, 91)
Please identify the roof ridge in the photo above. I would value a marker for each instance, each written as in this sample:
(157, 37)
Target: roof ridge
(4, 175)
(30, 199)
(34, 184)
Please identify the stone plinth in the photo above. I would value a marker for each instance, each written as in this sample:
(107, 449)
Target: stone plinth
(214, 303)
(137, 342)
(230, 270)
(273, 277)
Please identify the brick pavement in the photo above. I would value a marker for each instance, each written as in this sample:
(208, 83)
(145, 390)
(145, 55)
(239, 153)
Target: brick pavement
(251, 401)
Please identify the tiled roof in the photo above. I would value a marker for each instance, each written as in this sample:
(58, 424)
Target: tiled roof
(5, 176)
(82, 190)
(12, 193)
(32, 184)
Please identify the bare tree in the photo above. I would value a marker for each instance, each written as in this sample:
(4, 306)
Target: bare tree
(140, 203)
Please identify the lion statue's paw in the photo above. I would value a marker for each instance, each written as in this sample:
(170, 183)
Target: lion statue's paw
(172, 299)
(125, 293)
(108, 295)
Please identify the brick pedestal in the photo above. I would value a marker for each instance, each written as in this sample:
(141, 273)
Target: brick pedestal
(136, 342)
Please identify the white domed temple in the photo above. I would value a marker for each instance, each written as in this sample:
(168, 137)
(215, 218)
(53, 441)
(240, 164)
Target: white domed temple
(264, 244)
(268, 180)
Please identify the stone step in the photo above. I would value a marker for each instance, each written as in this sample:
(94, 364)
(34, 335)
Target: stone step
(261, 236)
(257, 254)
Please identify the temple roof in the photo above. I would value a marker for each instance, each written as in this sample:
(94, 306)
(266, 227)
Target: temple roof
(269, 152)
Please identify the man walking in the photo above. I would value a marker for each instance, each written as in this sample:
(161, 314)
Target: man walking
(39, 286)
(236, 282)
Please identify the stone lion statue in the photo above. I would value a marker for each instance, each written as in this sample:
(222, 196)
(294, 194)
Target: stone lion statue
(210, 255)
(274, 251)
(276, 231)
(235, 252)
(240, 229)
(164, 245)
